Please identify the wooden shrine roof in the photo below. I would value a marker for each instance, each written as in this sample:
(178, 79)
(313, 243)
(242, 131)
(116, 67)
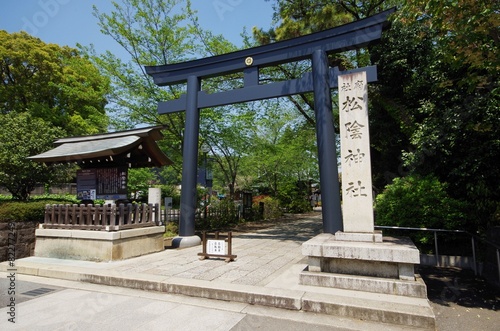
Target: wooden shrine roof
(135, 148)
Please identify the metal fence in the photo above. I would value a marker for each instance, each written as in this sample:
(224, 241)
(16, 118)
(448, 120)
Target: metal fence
(474, 242)
(171, 215)
(206, 218)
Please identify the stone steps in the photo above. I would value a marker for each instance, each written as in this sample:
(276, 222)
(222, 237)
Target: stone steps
(394, 311)
(415, 288)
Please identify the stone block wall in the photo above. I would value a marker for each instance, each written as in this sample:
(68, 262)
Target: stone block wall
(17, 238)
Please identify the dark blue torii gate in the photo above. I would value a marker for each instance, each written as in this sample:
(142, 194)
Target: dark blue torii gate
(314, 46)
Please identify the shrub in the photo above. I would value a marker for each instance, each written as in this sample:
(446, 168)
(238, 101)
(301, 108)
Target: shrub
(4, 198)
(272, 208)
(293, 197)
(173, 192)
(419, 202)
(33, 209)
(171, 229)
(23, 211)
(299, 206)
(221, 215)
(58, 198)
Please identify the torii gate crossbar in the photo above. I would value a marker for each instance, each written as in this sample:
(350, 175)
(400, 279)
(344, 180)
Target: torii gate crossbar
(315, 47)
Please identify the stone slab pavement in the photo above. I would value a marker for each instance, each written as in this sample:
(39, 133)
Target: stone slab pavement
(267, 267)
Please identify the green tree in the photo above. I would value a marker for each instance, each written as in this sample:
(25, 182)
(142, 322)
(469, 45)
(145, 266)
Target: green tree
(139, 182)
(416, 201)
(403, 59)
(47, 92)
(53, 83)
(439, 74)
(228, 132)
(455, 131)
(297, 18)
(467, 31)
(294, 18)
(153, 32)
(24, 135)
(435, 109)
(283, 153)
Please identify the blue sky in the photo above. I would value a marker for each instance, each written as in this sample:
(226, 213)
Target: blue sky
(67, 22)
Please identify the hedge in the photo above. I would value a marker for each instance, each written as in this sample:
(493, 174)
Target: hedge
(24, 211)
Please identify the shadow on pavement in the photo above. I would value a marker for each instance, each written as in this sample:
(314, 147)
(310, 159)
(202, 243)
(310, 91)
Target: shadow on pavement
(460, 300)
(459, 286)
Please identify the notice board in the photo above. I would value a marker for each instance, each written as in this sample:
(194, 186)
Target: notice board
(102, 183)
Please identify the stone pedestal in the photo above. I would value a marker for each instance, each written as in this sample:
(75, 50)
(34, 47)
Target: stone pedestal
(98, 245)
(374, 265)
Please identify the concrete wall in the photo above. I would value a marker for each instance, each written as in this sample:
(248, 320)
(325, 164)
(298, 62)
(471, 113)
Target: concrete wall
(463, 262)
(18, 237)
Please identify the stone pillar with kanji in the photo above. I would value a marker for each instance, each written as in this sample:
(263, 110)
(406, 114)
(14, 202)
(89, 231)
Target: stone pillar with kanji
(359, 257)
(357, 197)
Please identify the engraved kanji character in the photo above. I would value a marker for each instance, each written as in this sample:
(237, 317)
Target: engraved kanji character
(356, 191)
(345, 87)
(354, 129)
(352, 104)
(359, 85)
(354, 157)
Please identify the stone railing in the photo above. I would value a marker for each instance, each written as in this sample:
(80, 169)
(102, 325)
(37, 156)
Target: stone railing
(108, 217)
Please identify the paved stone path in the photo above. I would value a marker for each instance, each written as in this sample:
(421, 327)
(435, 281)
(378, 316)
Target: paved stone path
(278, 247)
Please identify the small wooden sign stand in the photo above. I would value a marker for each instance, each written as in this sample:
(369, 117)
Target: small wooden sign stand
(217, 247)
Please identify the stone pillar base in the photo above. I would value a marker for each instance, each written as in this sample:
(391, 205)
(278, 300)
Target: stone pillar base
(184, 242)
(374, 265)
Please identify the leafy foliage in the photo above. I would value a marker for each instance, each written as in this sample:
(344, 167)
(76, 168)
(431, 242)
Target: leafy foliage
(173, 192)
(160, 32)
(415, 201)
(228, 133)
(419, 202)
(171, 229)
(272, 209)
(453, 130)
(47, 92)
(152, 32)
(403, 58)
(61, 198)
(467, 31)
(23, 135)
(283, 153)
(53, 83)
(222, 214)
(297, 18)
(24, 211)
(139, 182)
(34, 209)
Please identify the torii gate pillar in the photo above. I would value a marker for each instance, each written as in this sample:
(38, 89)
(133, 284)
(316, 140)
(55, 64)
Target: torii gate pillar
(187, 235)
(325, 135)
